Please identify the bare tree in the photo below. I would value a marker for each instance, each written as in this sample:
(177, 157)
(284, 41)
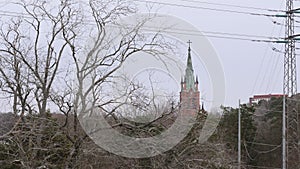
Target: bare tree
(42, 50)
(31, 51)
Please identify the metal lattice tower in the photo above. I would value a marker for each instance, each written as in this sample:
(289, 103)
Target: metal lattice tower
(290, 78)
(290, 89)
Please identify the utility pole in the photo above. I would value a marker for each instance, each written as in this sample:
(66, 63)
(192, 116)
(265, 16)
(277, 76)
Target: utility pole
(290, 150)
(284, 134)
(239, 135)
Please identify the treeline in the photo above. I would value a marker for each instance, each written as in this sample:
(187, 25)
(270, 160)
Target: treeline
(261, 142)
(261, 132)
(38, 142)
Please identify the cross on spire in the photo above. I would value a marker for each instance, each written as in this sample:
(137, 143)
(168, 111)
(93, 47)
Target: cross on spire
(189, 42)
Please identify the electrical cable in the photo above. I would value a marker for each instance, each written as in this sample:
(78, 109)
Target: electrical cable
(265, 55)
(231, 36)
(236, 6)
(206, 8)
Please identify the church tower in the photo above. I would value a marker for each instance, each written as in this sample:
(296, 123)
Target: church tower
(189, 94)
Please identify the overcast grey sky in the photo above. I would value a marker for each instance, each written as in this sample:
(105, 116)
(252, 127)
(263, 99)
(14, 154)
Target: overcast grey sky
(250, 67)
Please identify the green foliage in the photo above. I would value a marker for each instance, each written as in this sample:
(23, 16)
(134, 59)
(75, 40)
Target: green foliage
(274, 109)
(269, 134)
(228, 127)
(227, 131)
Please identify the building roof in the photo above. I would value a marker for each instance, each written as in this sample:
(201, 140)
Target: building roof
(266, 96)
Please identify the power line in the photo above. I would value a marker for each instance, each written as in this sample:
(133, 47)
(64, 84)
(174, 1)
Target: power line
(263, 144)
(207, 8)
(218, 35)
(274, 64)
(262, 167)
(225, 33)
(227, 37)
(267, 151)
(232, 36)
(236, 6)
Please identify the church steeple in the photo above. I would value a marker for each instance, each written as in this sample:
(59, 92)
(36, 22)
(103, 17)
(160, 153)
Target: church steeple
(189, 78)
(189, 94)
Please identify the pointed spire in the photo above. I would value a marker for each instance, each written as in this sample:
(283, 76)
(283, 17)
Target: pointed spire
(189, 78)
(189, 60)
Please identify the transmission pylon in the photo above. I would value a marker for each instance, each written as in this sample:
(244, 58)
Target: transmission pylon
(291, 153)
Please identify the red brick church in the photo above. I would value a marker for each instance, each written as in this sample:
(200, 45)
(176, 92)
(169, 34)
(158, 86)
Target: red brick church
(189, 94)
